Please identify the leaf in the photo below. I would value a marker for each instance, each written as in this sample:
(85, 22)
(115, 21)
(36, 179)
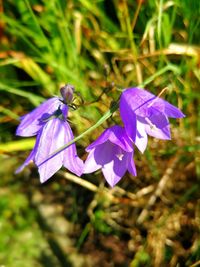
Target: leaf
(35, 99)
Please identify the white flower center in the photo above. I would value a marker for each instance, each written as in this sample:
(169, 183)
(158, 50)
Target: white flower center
(120, 156)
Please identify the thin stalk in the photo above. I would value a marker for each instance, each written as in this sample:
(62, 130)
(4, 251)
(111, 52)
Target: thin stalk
(136, 15)
(160, 23)
(38, 25)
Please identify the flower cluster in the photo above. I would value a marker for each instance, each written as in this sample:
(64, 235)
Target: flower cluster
(142, 114)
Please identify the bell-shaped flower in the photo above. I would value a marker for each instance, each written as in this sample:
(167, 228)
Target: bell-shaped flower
(54, 134)
(146, 114)
(113, 153)
(49, 123)
(31, 123)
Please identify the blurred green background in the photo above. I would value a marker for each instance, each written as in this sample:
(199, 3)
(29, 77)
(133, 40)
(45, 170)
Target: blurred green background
(100, 47)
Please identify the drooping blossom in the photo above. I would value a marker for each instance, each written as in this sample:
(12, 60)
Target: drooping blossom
(146, 114)
(113, 153)
(49, 123)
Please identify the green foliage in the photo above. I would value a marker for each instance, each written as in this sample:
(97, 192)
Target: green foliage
(99, 222)
(17, 222)
(141, 258)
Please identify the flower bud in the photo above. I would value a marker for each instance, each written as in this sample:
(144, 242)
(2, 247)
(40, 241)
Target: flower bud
(67, 92)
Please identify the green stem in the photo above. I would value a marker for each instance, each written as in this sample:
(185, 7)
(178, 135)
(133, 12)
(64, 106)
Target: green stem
(160, 23)
(38, 25)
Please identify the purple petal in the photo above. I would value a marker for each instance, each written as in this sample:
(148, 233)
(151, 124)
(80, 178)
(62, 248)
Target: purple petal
(141, 137)
(156, 126)
(31, 155)
(128, 118)
(137, 100)
(70, 160)
(104, 153)
(52, 138)
(111, 177)
(65, 110)
(172, 111)
(131, 164)
(27, 161)
(99, 156)
(116, 168)
(32, 122)
(90, 164)
(161, 105)
(145, 104)
(160, 121)
(100, 140)
(163, 133)
(117, 135)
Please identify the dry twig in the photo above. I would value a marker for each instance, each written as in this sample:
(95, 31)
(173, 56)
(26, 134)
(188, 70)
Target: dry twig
(159, 190)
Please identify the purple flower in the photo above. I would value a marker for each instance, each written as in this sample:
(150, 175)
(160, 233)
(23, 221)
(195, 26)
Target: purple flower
(144, 113)
(113, 153)
(53, 135)
(48, 122)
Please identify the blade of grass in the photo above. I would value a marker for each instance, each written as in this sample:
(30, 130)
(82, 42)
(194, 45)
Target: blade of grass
(9, 113)
(17, 29)
(34, 99)
(91, 7)
(38, 26)
(36, 72)
(21, 145)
